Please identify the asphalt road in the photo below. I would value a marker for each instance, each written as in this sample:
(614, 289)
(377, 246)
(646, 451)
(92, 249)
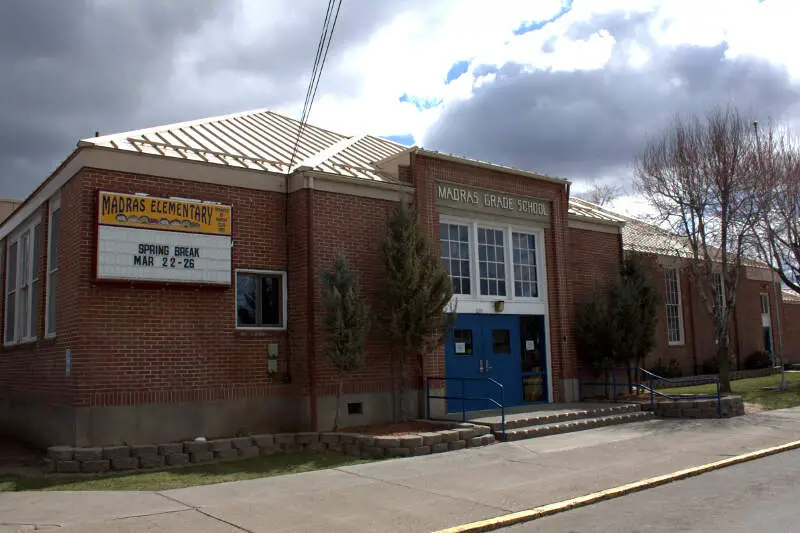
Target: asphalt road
(758, 496)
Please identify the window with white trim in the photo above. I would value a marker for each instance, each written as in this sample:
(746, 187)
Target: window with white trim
(454, 247)
(23, 285)
(672, 300)
(523, 246)
(764, 303)
(492, 261)
(260, 299)
(52, 268)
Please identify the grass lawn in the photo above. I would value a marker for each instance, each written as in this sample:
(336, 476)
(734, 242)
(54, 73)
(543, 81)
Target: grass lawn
(272, 465)
(752, 390)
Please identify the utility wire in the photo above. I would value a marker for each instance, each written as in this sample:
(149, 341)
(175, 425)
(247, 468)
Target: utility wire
(316, 72)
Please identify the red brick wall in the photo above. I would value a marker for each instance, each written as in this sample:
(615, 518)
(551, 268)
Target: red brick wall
(355, 226)
(36, 371)
(790, 321)
(426, 171)
(151, 344)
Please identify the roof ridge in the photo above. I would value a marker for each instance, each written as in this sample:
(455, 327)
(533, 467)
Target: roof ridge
(324, 155)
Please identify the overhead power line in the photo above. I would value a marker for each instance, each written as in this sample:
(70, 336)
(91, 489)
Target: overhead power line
(323, 46)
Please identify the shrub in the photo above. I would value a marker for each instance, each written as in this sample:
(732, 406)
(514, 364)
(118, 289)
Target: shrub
(756, 360)
(709, 366)
(669, 370)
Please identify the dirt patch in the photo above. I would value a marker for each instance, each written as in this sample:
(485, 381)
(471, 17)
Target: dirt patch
(19, 458)
(752, 408)
(403, 428)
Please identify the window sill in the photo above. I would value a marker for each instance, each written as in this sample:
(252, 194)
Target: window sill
(23, 342)
(676, 344)
(258, 332)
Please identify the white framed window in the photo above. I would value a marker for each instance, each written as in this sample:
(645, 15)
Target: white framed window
(764, 303)
(526, 280)
(454, 244)
(53, 240)
(260, 299)
(487, 261)
(491, 261)
(674, 308)
(23, 283)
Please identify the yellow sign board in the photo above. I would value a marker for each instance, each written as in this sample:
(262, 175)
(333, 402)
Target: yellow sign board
(168, 214)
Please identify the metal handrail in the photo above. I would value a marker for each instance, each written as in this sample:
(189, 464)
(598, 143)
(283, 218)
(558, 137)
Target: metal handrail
(651, 389)
(500, 404)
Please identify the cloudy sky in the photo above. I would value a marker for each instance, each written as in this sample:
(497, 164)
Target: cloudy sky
(568, 88)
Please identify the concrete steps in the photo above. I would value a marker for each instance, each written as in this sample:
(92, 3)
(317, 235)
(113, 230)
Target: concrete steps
(538, 424)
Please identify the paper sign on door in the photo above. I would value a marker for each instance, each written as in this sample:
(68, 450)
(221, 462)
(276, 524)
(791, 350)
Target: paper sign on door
(530, 345)
(461, 347)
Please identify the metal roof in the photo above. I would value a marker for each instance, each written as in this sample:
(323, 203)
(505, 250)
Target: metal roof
(580, 209)
(790, 297)
(258, 140)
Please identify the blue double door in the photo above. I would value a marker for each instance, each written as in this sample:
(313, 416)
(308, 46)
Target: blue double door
(509, 349)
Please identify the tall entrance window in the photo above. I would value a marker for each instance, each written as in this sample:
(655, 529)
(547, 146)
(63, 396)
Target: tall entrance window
(672, 300)
(766, 322)
(492, 261)
(454, 248)
(524, 251)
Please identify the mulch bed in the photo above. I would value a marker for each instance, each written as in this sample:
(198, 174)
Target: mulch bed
(402, 428)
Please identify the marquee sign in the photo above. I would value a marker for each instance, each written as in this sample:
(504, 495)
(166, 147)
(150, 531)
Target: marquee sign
(146, 238)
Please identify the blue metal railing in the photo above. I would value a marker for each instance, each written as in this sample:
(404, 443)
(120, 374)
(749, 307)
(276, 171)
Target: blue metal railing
(651, 377)
(464, 398)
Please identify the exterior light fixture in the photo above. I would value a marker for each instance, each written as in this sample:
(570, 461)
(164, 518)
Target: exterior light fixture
(499, 305)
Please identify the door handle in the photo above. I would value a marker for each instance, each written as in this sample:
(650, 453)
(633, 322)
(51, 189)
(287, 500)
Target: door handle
(487, 366)
(481, 365)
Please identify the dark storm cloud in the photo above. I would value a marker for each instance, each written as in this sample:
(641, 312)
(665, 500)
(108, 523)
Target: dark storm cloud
(69, 68)
(586, 124)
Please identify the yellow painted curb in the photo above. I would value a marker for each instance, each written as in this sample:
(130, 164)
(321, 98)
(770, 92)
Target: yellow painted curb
(558, 507)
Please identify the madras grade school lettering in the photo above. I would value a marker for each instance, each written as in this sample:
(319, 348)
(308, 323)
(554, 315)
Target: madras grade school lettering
(489, 201)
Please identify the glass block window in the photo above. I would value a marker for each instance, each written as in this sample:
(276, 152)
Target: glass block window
(491, 261)
(454, 248)
(524, 252)
(672, 299)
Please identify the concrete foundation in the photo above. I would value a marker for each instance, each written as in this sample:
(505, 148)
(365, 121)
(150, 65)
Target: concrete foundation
(375, 408)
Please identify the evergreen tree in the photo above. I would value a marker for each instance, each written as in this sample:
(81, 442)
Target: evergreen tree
(594, 339)
(634, 311)
(346, 323)
(418, 291)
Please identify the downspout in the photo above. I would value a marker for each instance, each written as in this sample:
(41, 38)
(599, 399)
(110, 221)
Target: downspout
(311, 308)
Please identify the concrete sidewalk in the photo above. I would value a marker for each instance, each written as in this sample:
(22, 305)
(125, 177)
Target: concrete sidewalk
(413, 494)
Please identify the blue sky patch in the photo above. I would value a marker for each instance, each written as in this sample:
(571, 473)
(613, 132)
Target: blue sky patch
(533, 25)
(421, 103)
(458, 68)
(406, 139)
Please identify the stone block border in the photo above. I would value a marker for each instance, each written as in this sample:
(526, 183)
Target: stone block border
(705, 408)
(92, 460)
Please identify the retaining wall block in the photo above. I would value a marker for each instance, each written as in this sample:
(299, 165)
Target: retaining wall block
(177, 459)
(372, 452)
(201, 457)
(307, 438)
(226, 455)
(348, 438)
(329, 438)
(125, 463)
(88, 454)
(151, 461)
(439, 447)
(285, 439)
(481, 430)
(411, 441)
(336, 447)
(450, 435)
(144, 450)
(218, 445)
(248, 451)
(263, 441)
(457, 444)
(60, 453)
(353, 449)
(398, 452)
(365, 440)
(429, 439)
(70, 467)
(475, 441)
(241, 442)
(111, 452)
(466, 434)
(95, 467)
(421, 450)
(195, 446)
(170, 449)
(387, 442)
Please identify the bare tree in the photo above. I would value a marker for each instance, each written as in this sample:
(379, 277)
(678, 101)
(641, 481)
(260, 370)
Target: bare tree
(698, 175)
(602, 193)
(778, 231)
